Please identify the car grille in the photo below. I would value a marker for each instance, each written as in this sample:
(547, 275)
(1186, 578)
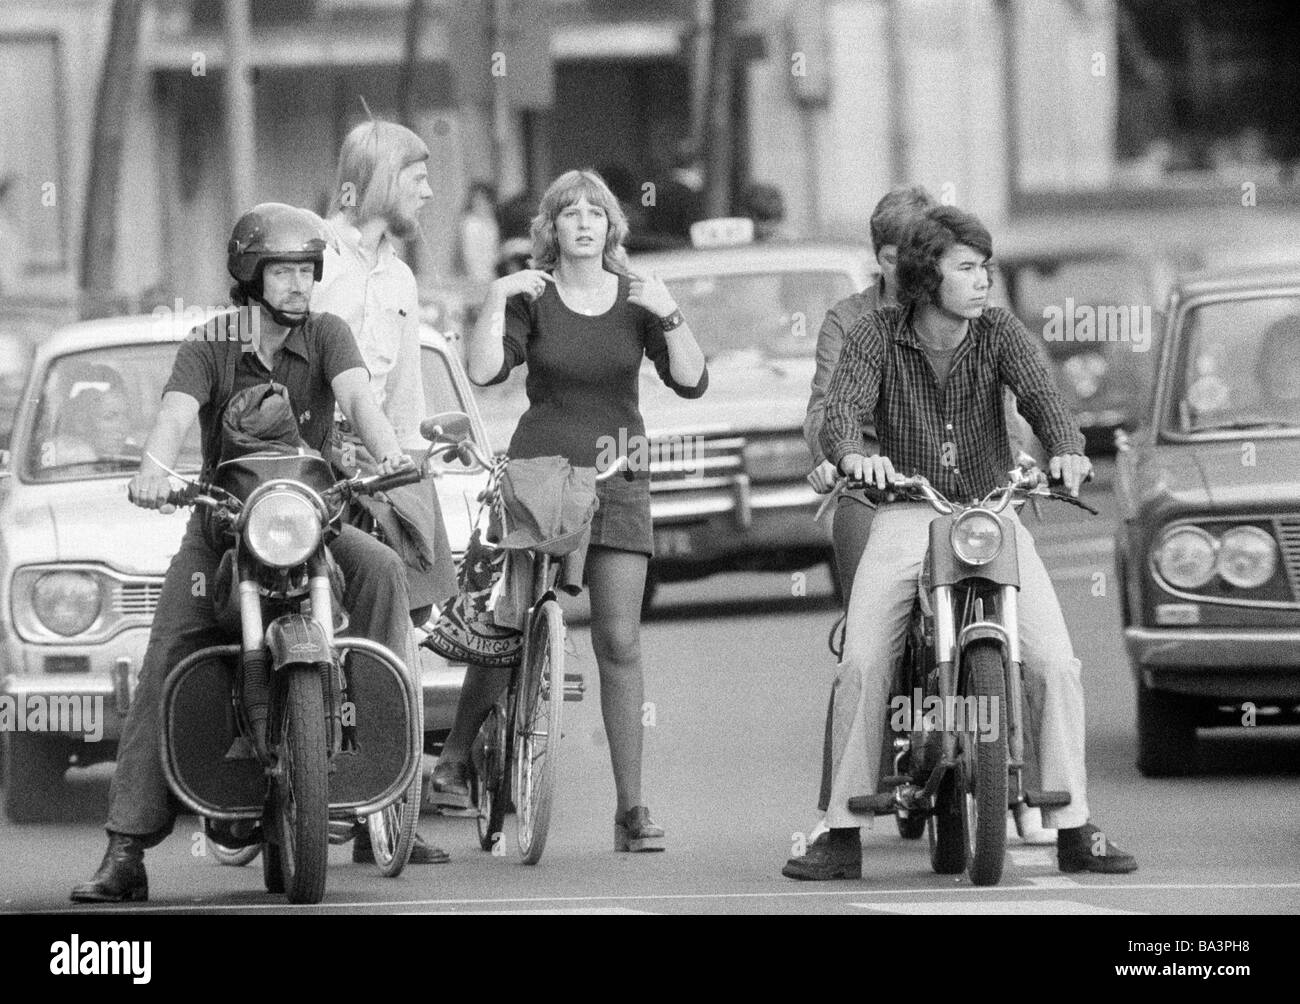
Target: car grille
(137, 599)
(689, 462)
(1288, 536)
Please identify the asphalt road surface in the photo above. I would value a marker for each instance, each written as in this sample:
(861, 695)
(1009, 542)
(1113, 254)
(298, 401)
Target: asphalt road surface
(737, 678)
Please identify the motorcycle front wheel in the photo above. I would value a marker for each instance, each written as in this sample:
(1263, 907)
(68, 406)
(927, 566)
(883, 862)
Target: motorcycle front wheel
(301, 791)
(986, 764)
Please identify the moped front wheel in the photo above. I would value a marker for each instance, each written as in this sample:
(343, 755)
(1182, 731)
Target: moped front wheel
(537, 730)
(301, 790)
(985, 756)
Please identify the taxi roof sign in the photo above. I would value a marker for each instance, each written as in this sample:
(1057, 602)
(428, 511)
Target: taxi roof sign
(722, 232)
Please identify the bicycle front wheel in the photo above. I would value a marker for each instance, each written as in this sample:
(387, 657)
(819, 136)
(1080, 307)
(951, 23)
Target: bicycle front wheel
(537, 729)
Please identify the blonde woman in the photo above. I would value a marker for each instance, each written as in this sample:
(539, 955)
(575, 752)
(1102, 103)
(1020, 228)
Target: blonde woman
(582, 323)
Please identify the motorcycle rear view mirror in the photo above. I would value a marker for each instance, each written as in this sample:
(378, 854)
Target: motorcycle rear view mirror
(446, 428)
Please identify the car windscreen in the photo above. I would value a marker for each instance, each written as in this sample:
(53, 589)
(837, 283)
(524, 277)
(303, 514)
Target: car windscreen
(1238, 367)
(441, 394)
(95, 412)
(777, 314)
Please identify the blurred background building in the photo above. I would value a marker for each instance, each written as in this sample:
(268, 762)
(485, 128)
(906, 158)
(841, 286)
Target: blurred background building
(1168, 118)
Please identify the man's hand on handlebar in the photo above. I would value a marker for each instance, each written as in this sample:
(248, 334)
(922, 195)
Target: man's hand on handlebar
(393, 463)
(150, 491)
(1072, 469)
(876, 470)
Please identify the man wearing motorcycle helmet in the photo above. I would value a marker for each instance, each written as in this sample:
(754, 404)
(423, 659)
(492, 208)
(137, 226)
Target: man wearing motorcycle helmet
(931, 371)
(275, 257)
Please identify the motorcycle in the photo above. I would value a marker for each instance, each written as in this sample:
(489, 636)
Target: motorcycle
(274, 737)
(960, 672)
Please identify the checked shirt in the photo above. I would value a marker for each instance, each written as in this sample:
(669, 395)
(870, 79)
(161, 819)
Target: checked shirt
(958, 438)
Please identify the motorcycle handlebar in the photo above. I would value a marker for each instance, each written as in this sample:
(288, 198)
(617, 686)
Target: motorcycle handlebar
(387, 482)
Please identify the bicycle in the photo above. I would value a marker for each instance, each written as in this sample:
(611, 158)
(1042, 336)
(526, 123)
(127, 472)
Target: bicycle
(514, 758)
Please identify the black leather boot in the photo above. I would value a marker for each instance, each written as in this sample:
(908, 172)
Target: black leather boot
(121, 877)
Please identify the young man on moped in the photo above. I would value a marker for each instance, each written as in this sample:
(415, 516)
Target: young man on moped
(275, 257)
(931, 371)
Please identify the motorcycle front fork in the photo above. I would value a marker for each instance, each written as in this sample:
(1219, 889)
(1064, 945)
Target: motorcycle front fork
(947, 658)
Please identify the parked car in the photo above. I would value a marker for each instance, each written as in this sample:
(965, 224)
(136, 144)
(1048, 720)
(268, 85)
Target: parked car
(81, 569)
(1097, 308)
(728, 470)
(1208, 491)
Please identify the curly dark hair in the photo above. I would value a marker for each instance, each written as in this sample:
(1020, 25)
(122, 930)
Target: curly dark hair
(928, 240)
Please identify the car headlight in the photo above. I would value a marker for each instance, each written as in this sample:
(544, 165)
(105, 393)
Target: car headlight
(976, 537)
(282, 529)
(66, 603)
(1185, 557)
(1247, 557)
(782, 459)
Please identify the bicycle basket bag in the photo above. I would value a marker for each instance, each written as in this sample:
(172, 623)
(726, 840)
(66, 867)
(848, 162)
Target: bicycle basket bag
(465, 630)
(547, 505)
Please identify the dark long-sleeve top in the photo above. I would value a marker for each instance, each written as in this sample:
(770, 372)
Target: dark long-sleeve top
(957, 437)
(583, 374)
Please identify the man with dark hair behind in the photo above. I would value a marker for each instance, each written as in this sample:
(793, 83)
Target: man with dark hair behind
(931, 370)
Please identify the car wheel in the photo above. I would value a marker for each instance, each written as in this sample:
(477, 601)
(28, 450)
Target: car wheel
(34, 766)
(1166, 727)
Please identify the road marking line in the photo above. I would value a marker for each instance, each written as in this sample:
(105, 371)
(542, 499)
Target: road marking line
(943, 908)
(1101, 886)
(1052, 882)
(597, 911)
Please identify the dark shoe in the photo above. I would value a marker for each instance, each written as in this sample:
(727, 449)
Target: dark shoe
(1086, 849)
(120, 878)
(450, 784)
(636, 831)
(828, 857)
(363, 853)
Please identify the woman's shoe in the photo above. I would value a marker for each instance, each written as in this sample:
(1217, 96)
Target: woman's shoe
(450, 784)
(636, 831)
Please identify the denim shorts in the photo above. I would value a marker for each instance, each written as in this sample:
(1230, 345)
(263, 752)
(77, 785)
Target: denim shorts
(622, 520)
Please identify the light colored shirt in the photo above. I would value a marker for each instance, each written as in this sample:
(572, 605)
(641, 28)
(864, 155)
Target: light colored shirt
(380, 302)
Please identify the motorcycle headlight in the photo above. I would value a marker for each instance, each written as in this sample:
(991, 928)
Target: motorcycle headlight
(976, 537)
(1185, 557)
(1247, 557)
(66, 603)
(282, 529)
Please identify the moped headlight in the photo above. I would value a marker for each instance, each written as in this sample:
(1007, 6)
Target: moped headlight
(1247, 557)
(282, 529)
(976, 537)
(66, 603)
(1185, 557)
